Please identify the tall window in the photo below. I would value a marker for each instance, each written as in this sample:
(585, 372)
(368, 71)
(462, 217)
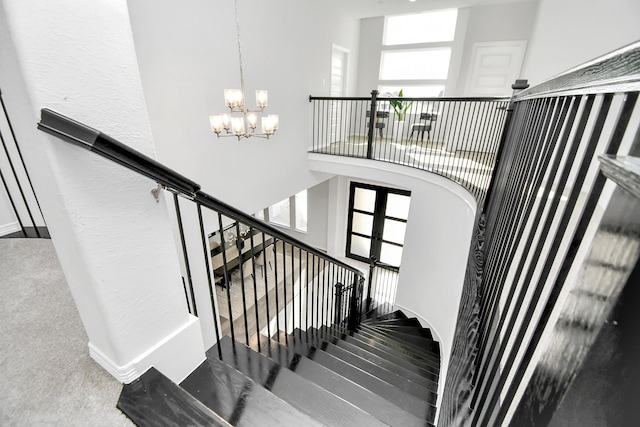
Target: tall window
(416, 53)
(289, 213)
(377, 222)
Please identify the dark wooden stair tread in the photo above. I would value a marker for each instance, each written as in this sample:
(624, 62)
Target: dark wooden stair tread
(423, 386)
(304, 395)
(403, 358)
(398, 345)
(383, 310)
(413, 342)
(395, 395)
(361, 397)
(412, 321)
(153, 399)
(238, 399)
(421, 343)
(386, 360)
(396, 315)
(403, 329)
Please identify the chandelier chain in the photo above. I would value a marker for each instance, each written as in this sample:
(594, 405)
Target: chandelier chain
(239, 48)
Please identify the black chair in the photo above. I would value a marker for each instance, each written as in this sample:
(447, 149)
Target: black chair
(423, 127)
(378, 123)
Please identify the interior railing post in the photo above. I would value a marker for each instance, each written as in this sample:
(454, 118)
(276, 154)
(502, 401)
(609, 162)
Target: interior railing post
(338, 311)
(184, 253)
(518, 86)
(372, 266)
(372, 123)
(352, 322)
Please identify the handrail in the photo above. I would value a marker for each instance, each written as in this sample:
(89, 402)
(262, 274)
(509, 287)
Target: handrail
(618, 71)
(395, 98)
(93, 140)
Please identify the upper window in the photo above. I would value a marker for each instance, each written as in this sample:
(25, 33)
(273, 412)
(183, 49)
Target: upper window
(415, 64)
(416, 53)
(421, 28)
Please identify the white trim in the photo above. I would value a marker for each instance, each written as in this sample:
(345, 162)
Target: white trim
(176, 356)
(12, 227)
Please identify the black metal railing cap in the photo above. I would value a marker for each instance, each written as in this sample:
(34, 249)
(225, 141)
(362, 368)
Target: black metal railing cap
(91, 139)
(618, 71)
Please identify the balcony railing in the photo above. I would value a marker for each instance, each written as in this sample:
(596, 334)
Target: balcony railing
(457, 138)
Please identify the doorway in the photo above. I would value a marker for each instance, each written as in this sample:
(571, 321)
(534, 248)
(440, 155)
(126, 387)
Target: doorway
(339, 65)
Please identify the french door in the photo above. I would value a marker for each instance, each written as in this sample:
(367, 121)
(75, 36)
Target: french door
(377, 223)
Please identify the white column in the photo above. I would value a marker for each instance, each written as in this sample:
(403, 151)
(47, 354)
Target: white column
(112, 237)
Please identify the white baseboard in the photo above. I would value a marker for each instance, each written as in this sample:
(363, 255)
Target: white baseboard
(12, 227)
(176, 356)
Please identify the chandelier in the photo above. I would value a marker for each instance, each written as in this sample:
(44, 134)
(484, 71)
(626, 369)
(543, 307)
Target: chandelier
(240, 121)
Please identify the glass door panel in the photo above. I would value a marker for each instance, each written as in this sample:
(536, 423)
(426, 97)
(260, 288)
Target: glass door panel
(364, 200)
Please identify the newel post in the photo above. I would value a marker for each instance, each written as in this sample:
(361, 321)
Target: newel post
(518, 86)
(338, 303)
(372, 122)
(355, 303)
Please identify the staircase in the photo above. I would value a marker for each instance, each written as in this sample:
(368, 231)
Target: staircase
(386, 373)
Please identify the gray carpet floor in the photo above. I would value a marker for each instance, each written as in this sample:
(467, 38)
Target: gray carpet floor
(46, 375)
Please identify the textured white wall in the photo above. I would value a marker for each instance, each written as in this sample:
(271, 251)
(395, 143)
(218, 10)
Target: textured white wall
(113, 240)
(570, 32)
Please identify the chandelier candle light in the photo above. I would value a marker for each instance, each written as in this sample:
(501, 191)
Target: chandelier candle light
(240, 121)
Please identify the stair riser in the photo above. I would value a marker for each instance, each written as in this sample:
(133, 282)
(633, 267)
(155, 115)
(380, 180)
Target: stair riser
(408, 357)
(369, 402)
(421, 386)
(304, 395)
(410, 342)
(395, 395)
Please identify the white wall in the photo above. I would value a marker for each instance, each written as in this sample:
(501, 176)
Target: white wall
(495, 22)
(8, 221)
(112, 238)
(188, 55)
(570, 32)
(17, 201)
(437, 239)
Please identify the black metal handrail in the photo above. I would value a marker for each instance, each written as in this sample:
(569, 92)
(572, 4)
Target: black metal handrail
(462, 134)
(286, 292)
(84, 136)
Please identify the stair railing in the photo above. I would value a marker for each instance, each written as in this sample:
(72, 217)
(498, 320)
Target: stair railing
(259, 280)
(553, 231)
(457, 138)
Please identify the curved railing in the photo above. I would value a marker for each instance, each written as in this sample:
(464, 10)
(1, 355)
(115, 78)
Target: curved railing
(457, 138)
(556, 250)
(259, 280)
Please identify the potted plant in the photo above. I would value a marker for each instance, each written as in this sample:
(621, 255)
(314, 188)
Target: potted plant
(400, 108)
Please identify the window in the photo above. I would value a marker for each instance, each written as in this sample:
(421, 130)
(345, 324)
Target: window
(416, 53)
(377, 223)
(426, 27)
(280, 213)
(290, 212)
